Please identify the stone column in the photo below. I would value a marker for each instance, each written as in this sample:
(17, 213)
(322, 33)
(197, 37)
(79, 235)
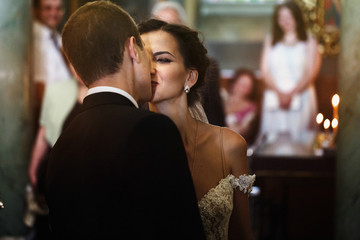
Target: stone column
(191, 7)
(348, 163)
(15, 113)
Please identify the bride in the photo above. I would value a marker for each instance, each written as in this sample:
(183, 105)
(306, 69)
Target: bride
(216, 156)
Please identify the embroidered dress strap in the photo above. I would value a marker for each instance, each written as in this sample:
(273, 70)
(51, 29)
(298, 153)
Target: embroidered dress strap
(244, 182)
(222, 151)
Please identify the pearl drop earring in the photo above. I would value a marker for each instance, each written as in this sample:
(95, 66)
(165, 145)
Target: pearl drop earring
(187, 89)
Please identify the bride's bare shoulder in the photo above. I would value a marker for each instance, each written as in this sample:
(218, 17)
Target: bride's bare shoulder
(232, 141)
(235, 148)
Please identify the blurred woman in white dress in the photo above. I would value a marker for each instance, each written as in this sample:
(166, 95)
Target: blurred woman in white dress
(216, 155)
(290, 63)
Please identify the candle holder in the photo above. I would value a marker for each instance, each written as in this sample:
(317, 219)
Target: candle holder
(334, 125)
(327, 134)
(318, 143)
(320, 136)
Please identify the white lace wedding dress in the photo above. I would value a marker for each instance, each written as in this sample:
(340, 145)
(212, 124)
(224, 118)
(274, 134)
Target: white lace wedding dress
(217, 204)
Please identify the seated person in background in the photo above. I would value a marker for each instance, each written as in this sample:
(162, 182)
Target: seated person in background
(241, 106)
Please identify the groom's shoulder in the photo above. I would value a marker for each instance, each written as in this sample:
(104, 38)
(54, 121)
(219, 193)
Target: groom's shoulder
(151, 121)
(157, 119)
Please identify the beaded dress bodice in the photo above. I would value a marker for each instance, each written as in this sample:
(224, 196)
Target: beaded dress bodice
(217, 204)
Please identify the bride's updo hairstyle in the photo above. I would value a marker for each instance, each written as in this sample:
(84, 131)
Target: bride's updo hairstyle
(190, 46)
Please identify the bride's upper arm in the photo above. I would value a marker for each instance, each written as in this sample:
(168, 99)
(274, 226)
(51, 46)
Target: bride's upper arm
(235, 154)
(235, 148)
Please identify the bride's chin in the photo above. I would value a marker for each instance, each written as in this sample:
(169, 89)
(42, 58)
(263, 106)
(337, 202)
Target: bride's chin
(153, 97)
(155, 100)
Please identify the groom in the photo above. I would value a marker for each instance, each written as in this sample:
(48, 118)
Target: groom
(117, 172)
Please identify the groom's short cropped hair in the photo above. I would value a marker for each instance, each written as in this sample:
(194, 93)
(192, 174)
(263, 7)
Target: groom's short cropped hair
(94, 39)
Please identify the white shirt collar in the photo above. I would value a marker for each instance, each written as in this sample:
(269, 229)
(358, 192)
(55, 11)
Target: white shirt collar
(46, 30)
(114, 90)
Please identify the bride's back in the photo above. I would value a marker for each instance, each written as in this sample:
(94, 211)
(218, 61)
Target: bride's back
(209, 165)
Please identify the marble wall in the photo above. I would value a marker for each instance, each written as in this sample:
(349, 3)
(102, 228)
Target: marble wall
(15, 109)
(348, 164)
(233, 36)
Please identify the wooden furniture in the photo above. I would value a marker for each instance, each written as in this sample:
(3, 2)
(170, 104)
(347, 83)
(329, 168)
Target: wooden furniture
(297, 196)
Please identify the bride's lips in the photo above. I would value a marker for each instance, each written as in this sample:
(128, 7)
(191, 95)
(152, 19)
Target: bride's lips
(153, 83)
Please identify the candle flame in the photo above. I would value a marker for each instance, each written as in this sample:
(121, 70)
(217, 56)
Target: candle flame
(326, 124)
(335, 100)
(319, 118)
(334, 123)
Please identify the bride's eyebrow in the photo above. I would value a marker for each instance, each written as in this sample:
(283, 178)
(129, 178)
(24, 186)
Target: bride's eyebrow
(163, 52)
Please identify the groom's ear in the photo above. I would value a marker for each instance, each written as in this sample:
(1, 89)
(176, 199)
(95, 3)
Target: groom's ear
(133, 49)
(192, 77)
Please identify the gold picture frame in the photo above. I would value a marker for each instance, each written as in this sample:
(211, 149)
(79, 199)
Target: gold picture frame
(316, 17)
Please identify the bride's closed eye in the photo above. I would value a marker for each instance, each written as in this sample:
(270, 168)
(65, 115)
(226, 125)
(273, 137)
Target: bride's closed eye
(163, 60)
(163, 57)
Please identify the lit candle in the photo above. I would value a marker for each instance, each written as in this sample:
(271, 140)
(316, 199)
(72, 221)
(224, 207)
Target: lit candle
(334, 125)
(326, 124)
(319, 118)
(319, 136)
(335, 103)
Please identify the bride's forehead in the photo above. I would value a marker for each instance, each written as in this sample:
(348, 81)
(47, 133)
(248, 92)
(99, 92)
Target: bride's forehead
(162, 39)
(161, 36)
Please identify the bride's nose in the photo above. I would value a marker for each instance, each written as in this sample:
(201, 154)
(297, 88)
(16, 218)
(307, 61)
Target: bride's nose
(153, 67)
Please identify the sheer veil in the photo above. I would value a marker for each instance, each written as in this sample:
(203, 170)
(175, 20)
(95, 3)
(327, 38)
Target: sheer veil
(197, 111)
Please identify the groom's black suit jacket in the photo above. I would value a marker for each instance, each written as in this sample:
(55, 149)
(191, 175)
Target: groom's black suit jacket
(117, 171)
